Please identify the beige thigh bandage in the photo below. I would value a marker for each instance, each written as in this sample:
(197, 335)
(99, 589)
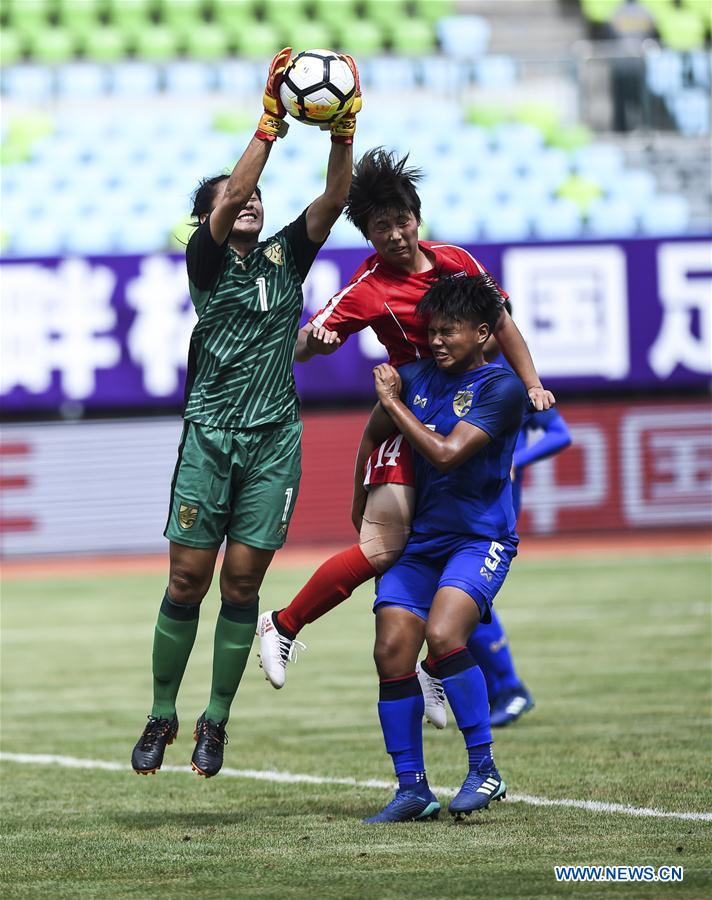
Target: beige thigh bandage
(386, 523)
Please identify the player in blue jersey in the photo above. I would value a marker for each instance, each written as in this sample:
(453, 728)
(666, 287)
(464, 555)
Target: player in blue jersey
(509, 697)
(461, 416)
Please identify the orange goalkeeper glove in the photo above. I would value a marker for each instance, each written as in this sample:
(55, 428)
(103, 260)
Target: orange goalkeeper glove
(343, 129)
(272, 124)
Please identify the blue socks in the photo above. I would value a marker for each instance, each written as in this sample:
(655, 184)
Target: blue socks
(490, 649)
(400, 710)
(466, 691)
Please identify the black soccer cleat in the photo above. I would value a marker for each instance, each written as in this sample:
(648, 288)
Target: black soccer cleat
(208, 754)
(147, 755)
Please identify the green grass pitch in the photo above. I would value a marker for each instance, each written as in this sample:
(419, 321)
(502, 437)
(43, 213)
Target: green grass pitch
(616, 652)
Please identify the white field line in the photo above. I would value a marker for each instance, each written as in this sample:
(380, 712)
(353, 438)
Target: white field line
(72, 762)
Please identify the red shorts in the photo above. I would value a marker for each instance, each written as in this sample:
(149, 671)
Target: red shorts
(391, 463)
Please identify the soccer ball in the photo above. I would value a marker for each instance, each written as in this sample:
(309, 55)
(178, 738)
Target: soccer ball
(317, 87)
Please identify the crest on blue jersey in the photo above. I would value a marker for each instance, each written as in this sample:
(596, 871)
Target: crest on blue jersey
(462, 403)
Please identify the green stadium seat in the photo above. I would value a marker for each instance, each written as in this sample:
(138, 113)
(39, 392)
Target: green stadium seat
(305, 34)
(387, 16)
(279, 12)
(681, 29)
(103, 44)
(11, 47)
(359, 38)
(413, 37)
(28, 17)
(207, 41)
(130, 15)
(599, 11)
(255, 40)
(74, 14)
(234, 121)
(230, 12)
(155, 43)
(541, 115)
(581, 191)
(571, 137)
(703, 8)
(432, 10)
(51, 46)
(335, 14)
(485, 116)
(182, 15)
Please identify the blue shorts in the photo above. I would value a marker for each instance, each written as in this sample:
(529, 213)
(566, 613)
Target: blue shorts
(478, 567)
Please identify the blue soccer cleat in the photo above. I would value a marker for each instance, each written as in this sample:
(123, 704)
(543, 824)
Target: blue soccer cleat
(509, 706)
(413, 805)
(478, 790)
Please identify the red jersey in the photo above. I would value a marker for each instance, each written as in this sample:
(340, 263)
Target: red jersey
(385, 298)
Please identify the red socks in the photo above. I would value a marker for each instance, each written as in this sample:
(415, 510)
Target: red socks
(331, 584)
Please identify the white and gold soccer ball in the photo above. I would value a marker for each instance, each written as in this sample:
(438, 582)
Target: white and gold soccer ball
(318, 86)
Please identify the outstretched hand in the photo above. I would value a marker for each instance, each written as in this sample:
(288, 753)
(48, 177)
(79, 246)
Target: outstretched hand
(388, 383)
(343, 129)
(272, 124)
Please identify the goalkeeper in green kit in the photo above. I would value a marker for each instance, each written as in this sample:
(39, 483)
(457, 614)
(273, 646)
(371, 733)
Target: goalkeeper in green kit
(238, 469)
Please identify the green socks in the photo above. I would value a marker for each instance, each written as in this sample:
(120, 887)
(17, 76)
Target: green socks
(172, 642)
(234, 633)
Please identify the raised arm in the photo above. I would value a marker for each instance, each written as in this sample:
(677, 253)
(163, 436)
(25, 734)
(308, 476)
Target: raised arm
(514, 347)
(444, 452)
(244, 177)
(327, 208)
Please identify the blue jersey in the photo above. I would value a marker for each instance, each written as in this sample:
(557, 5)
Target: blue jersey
(476, 497)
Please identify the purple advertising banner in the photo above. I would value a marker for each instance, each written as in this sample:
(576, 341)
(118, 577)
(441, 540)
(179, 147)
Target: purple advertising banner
(108, 333)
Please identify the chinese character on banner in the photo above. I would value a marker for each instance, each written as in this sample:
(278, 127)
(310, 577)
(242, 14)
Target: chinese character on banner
(666, 459)
(56, 320)
(571, 305)
(685, 287)
(159, 337)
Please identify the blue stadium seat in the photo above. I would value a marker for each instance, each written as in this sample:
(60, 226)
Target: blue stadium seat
(36, 237)
(82, 79)
(636, 186)
(135, 78)
(691, 110)
(189, 77)
(550, 165)
(463, 37)
(94, 235)
(438, 73)
(239, 77)
(663, 72)
(147, 233)
(388, 73)
(612, 217)
(504, 222)
(28, 82)
(496, 71)
(557, 219)
(599, 161)
(666, 214)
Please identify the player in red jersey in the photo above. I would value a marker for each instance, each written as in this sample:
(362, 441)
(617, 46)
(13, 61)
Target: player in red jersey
(383, 293)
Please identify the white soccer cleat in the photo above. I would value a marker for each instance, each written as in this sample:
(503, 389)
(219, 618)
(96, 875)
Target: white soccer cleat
(434, 696)
(276, 650)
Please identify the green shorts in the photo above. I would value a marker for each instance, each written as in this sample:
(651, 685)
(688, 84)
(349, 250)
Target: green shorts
(242, 484)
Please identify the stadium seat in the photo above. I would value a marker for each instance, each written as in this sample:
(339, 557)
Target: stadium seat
(360, 38)
(504, 222)
(388, 73)
(691, 110)
(613, 217)
(599, 11)
(254, 40)
(557, 220)
(184, 16)
(304, 34)
(206, 41)
(131, 16)
(599, 160)
(432, 10)
(635, 185)
(438, 73)
(134, 78)
(463, 37)
(103, 44)
(155, 43)
(50, 46)
(337, 15)
(663, 72)
(681, 29)
(29, 82)
(496, 71)
(239, 77)
(11, 47)
(82, 79)
(35, 237)
(666, 214)
(580, 190)
(145, 233)
(188, 77)
(550, 165)
(412, 37)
